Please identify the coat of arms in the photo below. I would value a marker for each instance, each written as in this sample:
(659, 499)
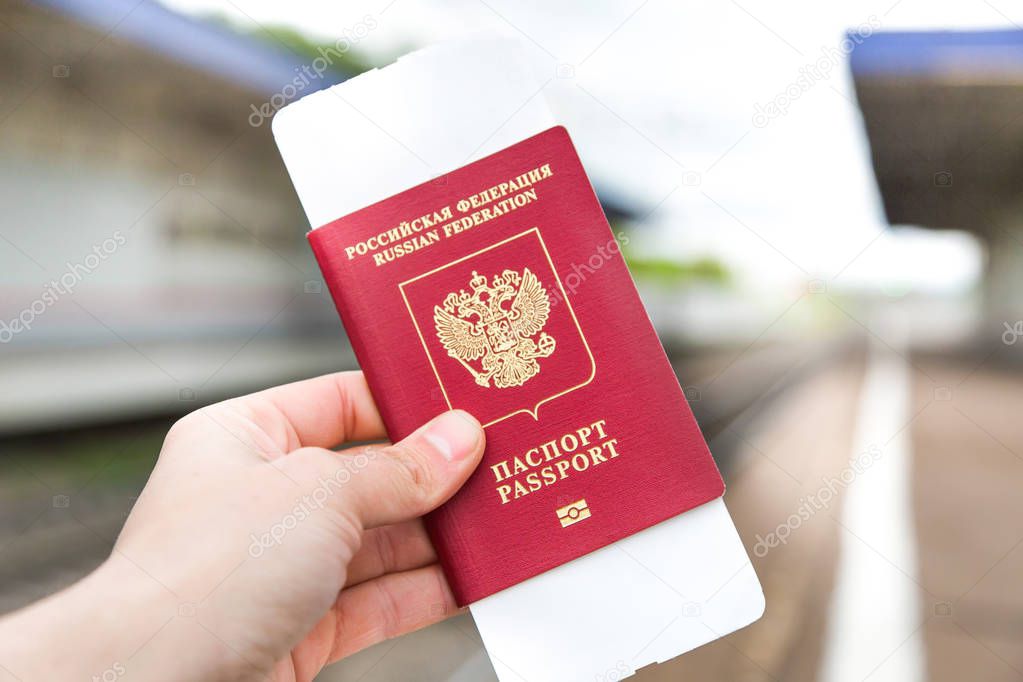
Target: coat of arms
(495, 329)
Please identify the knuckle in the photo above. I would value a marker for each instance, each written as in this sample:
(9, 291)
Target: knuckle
(348, 530)
(386, 550)
(443, 606)
(178, 429)
(414, 478)
(348, 409)
(181, 428)
(389, 611)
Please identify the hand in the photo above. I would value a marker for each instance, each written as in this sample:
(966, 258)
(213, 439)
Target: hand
(254, 552)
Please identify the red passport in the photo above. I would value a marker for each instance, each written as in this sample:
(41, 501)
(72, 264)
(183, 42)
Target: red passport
(500, 289)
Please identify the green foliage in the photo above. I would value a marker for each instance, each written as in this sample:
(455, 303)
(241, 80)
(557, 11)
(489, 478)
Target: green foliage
(678, 273)
(669, 272)
(107, 457)
(345, 63)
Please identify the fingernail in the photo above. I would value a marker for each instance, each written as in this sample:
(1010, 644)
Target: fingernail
(454, 434)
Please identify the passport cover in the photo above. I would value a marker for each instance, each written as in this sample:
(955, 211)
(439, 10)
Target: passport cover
(500, 289)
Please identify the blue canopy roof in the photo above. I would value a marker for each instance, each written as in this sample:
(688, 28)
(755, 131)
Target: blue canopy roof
(257, 64)
(938, 52)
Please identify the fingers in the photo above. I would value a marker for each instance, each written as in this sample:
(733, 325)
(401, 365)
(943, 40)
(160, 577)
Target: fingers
(322, 412)
(390, 606)
(419, 473)
(329, 410)
(390, 549)
(386, 485)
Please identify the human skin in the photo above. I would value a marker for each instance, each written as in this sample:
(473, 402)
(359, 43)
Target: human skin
(256, 551)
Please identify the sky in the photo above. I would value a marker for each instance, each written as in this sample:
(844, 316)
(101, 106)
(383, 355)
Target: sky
(665, 101)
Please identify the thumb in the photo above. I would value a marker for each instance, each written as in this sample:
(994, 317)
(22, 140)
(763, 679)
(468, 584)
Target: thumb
(385, 485)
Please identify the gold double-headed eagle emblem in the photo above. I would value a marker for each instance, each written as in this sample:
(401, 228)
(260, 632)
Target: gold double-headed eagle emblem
(495, 329)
